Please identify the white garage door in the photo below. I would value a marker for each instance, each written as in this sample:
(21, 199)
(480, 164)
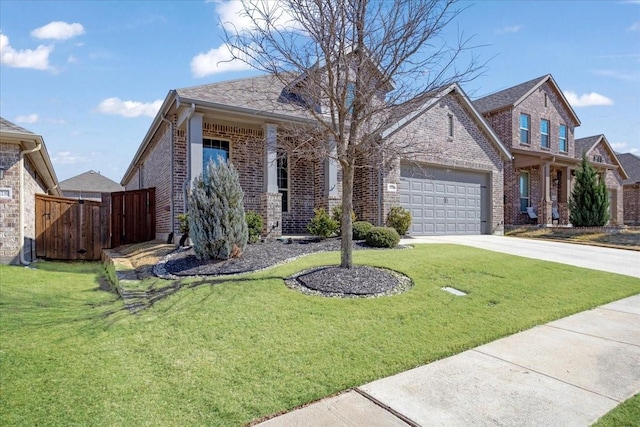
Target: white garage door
(444, 201)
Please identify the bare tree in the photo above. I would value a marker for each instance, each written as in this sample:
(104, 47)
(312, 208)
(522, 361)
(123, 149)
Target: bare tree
(357, 66)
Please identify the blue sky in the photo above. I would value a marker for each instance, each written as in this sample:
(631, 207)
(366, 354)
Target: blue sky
(90, 76)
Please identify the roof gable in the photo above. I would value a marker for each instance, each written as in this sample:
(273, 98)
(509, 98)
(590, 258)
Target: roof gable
(461, 97)
(90, 182)
(7, 126)
(513, 96)
(585, 145)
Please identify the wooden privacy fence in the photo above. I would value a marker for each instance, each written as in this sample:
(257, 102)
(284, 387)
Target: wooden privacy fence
(72, 229)
(68, 228)
(132, 216)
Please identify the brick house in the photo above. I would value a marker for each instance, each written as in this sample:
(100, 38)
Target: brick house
(604, 160)
(536, 123)
(631, 188)
(88, 186)
(453, 186)
(25, 170)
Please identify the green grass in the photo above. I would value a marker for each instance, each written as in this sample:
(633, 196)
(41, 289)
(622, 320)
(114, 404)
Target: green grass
(625, 415)
(239, 350)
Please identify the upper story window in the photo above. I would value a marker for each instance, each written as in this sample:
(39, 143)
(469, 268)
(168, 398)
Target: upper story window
(544, 133)
(525, 128)
(283, 179)
(524, 191)
(597, 158)
(350, 97)
(450, 124)
(214, 149)
(562, 139)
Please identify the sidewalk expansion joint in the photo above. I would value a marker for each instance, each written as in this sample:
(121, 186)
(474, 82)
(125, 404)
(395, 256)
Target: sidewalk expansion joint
(592, 336)
(386, 408)
(548, 376)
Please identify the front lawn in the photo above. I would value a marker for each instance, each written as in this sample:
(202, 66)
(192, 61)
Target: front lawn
(247, 347)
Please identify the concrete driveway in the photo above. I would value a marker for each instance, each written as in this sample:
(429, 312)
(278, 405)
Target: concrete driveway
(619, 261)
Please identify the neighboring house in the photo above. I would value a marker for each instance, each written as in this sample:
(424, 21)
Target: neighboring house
(536, 123)
(631, 188)
(453, 186)
(25, 170)
(604, 160)
(89, 185)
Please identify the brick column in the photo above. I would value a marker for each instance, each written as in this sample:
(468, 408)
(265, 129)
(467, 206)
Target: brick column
(544, 217)
(331, 177)
(271, 199)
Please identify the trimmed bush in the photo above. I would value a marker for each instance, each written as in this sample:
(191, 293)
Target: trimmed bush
(183, 220)
(360, 229)
(322, 225)
(336, 214)
(217, 225)
(383, 237)
(399, 219)
(589, 201)
(254, 225)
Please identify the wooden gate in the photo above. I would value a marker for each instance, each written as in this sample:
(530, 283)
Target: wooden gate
(132, 216)
(72, 229)
(68, 229)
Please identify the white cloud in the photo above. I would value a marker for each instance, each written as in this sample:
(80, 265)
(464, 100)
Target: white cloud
(72, 59)
(618, 146)
(118, 107)
(27, 118)
(620, 75)
(587, 99)
(56, 121)
(217, 60)
(635, 26)
(68, 158)
(509, 29)
(234, 17)
(26, 58)
(58, 30)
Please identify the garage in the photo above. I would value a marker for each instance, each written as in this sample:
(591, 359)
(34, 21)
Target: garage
(444, 201)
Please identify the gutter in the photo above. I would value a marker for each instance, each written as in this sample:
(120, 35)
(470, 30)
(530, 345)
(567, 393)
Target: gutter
(38, 146)
(185, 184)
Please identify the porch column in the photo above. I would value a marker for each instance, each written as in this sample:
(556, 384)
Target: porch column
(331, 176)
(545, 209)
(194, 131)
(565, 191)
(271, 199)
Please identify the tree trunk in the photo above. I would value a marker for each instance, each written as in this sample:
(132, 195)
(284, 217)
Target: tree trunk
(346, 227)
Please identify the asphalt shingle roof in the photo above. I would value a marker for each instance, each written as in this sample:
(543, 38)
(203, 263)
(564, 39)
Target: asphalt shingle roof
(584, 144)
(507, 97)
(261, 94)
(90, 182)
(7, 126)
(631, 164)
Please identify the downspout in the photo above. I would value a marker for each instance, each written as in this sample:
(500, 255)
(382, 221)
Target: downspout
(171, 196)
(38, 146)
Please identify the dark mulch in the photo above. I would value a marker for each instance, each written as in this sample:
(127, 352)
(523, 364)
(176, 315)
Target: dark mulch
(358, 281)
(257, 256)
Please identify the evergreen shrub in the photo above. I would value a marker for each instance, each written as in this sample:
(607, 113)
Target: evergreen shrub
(383, 237)
(360, 229)
(217, 225)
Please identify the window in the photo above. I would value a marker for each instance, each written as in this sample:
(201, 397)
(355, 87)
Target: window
(524, 191)
(562, 138)
(212, 149)
(350, 96)
(283, 179)
(544, 133)
(450, 123)
(525, 126)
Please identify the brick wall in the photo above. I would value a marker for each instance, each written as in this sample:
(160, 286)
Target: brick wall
(468, 149)
(10, 208)
(554, 111)
(632, 204)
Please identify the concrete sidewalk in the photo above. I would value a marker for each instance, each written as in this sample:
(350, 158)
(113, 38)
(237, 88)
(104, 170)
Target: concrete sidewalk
(568, 372)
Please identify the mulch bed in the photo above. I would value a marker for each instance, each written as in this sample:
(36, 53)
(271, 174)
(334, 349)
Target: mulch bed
(358, 281)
